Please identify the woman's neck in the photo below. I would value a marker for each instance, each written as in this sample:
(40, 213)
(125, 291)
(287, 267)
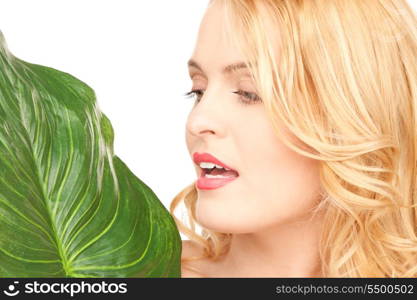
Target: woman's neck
(285, 250)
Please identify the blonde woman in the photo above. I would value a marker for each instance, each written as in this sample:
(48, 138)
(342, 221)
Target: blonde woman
(307, 110)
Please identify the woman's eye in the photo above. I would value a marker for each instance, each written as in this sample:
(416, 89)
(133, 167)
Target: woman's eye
(245, 97)
(197, 94)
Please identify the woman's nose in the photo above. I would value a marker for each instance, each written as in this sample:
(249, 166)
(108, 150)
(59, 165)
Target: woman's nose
(206, 118)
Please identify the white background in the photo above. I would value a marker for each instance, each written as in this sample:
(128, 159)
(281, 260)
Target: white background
(134, 55)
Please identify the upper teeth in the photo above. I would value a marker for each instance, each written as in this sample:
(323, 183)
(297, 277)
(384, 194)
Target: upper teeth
(209, 165)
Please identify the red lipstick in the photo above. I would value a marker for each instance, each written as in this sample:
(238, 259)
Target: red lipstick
(213, 178)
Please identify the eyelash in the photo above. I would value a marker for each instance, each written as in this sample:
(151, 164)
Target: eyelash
(250, 97)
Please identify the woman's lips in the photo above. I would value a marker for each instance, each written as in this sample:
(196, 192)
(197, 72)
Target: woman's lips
(207, 157)
(207, 183)
(204, 183)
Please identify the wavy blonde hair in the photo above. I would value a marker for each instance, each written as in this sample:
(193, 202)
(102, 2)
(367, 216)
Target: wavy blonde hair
(345, 84)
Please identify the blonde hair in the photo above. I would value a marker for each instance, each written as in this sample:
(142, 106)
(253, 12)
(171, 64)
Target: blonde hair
(344, 82)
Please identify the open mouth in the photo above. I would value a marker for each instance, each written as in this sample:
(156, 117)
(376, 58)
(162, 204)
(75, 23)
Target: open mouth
(217, 172)
(212, 168)
(213, 173)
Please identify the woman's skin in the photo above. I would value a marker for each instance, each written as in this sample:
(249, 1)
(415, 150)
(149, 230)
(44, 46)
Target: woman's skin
(268, 207)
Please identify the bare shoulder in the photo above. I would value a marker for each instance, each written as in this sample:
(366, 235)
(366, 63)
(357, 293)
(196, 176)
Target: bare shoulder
(191, 268)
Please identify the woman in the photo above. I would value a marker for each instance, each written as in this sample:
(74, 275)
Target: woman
(307, 110)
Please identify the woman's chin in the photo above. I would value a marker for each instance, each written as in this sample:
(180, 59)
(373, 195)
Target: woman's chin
(223, 222)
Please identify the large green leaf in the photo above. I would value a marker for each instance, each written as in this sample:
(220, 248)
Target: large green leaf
(68, 206)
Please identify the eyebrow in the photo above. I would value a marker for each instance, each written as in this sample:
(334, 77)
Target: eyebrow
(228, 69)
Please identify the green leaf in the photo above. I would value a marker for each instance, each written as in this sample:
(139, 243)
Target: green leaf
(68, 206)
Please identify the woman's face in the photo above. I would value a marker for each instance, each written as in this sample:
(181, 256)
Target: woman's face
(274, 184)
